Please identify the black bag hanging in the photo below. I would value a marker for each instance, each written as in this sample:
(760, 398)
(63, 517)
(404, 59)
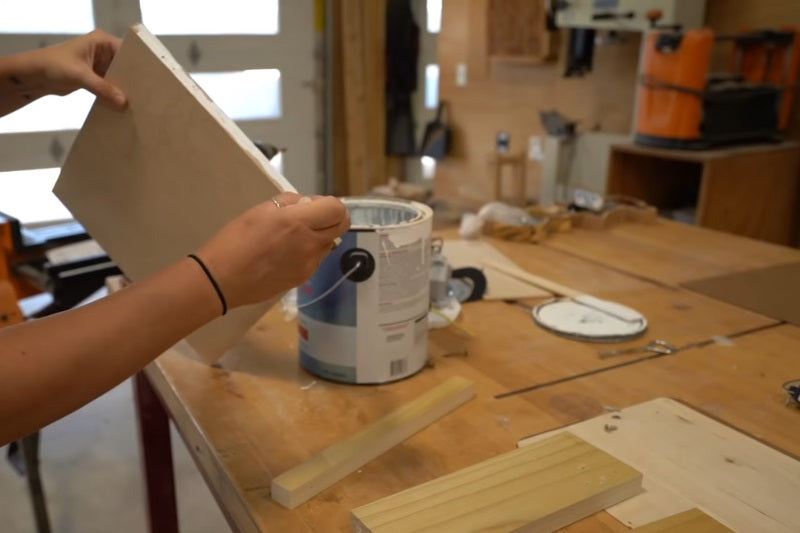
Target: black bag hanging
(436, 139)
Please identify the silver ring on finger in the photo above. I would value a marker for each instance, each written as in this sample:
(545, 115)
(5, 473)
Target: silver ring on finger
(276, 202)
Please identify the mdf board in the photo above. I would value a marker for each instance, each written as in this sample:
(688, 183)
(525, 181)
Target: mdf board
(155, 181)
(772, 291)
(691, 521)
(538, 489)
(308, 479)
(690, 460)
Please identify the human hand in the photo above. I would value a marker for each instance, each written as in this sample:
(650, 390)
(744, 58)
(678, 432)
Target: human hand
(268, 250)
(79, 63)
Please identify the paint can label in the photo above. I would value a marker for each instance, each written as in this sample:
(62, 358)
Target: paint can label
(375, 330)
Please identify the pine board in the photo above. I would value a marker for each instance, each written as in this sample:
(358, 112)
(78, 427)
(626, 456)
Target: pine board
(691, 521)
(690, 460)
(155, 181)
(308, 479)
(539, 488)
(500, 285)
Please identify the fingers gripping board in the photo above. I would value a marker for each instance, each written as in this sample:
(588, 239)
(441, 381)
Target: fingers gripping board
(155, 181)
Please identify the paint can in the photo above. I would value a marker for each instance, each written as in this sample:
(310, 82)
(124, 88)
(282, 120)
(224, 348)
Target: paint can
(373, 327)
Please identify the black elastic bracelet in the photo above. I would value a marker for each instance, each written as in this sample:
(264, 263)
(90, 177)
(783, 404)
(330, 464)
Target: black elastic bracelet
(213, 282)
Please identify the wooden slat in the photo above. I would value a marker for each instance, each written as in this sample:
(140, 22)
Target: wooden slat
(154, 182)
(691, 521)
(536, 489)
(304, 481)
(690, 460)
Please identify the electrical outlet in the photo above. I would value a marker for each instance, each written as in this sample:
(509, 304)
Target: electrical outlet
(461, 74)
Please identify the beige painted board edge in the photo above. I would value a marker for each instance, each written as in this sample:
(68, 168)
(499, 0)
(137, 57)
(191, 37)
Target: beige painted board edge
(691, 460)
(532, 489)
(536, 281)
(155, 181)
(308, 479)
(692, 521)
(500, 286)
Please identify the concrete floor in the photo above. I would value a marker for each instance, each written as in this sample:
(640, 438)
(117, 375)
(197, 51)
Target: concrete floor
(90, 468)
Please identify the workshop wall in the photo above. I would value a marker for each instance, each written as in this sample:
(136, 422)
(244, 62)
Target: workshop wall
(507, 96)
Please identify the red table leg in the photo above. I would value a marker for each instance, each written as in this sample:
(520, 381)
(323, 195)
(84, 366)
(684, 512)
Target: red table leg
(154, 442)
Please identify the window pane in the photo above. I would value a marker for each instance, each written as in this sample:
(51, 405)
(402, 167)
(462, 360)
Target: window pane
(46, 16)
(431, 86)
(50, 113)
(28, 196)
(246, 95)
(213, 17)
(434, 18)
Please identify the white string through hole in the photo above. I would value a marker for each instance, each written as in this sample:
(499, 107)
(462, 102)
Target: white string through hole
(332, 287)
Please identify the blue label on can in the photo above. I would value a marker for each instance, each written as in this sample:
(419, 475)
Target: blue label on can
(338, 307)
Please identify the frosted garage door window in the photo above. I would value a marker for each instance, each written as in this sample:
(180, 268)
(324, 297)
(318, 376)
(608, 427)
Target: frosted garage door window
(219, 17)
(50, 113)
(245, 95)
(433, 9)
(46, 16)
(27, 195)
(431, 86)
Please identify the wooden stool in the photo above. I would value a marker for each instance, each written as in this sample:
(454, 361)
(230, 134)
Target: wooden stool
(516, 162)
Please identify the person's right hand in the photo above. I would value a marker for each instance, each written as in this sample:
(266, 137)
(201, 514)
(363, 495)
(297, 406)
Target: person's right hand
(268, 250)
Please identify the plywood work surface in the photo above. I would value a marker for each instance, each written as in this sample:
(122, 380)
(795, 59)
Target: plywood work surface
(259, 414)
(306, 480)
(155, 181)
(539, 488)
(690, 460)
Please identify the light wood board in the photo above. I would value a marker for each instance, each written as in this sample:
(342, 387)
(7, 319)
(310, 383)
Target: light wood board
(155, 181)
(308, 479)
(690, 460)
(691, 521)
(538, 488)
(500, 285)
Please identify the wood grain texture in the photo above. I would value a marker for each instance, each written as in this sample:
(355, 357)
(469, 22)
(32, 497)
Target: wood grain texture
(691, 521)
(538, 489)
(305, 481)
(670, 253)
(690, 460)
(259, 413)
(155, 181)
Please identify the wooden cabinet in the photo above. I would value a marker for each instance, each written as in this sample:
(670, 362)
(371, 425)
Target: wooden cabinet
(746, 190)
(518, 32)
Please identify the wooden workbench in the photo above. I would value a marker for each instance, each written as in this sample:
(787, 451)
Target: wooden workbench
(258, 413)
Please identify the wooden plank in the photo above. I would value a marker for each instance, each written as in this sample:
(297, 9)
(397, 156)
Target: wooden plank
(691, 521)
(690, 460)
(500, 286)
(533, 489)
(306, 480)
(154, 182)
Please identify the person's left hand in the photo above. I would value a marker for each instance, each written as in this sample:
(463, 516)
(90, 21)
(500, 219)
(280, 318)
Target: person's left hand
(79, 63)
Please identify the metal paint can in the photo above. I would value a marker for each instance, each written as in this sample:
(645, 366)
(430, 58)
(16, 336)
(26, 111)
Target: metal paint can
(373, 327)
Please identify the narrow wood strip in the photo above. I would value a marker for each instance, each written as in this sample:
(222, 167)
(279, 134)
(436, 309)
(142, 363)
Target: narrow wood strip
(308, 479)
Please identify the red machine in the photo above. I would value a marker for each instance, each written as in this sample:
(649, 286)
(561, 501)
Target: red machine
(682, 106)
